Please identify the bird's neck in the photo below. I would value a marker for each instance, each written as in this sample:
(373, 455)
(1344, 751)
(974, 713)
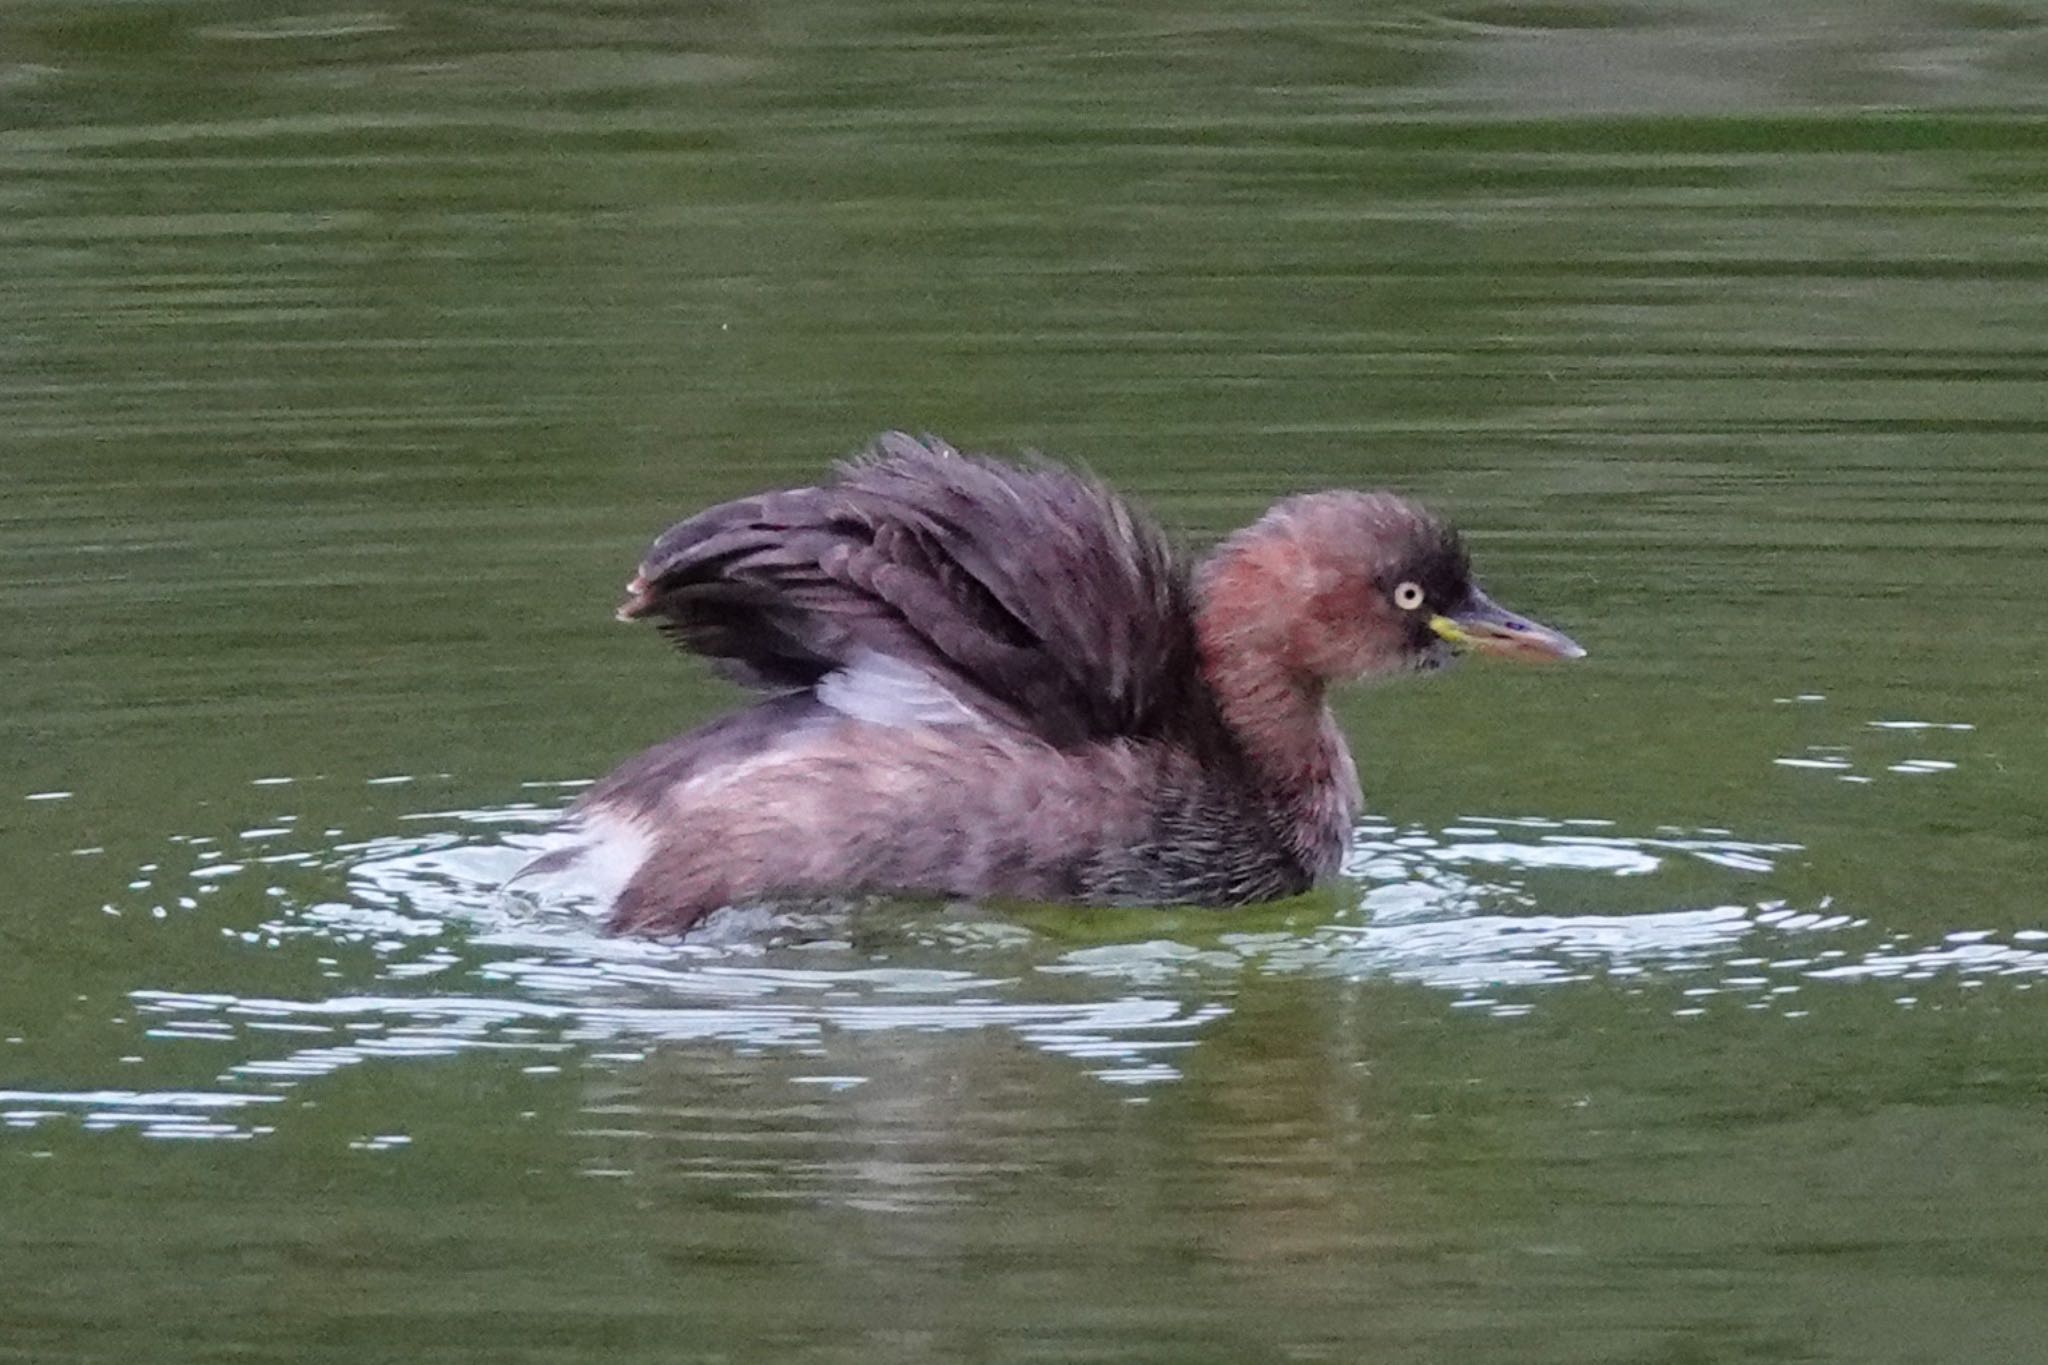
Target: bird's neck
(1247, 621)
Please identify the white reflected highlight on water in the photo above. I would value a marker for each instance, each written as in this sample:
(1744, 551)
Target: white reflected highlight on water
(1966, 955)
(165, 1114)
(1841, 759)
(739, 1008)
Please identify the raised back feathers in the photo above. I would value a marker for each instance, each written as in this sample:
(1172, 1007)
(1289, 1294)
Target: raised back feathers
(1033, 594)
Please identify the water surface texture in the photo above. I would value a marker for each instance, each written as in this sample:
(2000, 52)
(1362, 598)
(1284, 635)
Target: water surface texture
(1684, 1005)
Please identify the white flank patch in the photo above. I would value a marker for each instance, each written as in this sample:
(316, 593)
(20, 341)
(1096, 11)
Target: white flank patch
(610, 849)
(617, 848)
(874, 687)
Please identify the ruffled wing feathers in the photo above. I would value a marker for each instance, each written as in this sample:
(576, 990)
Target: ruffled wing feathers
(1032, 592)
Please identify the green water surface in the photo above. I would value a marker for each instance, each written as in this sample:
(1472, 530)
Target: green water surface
(1678, 1007)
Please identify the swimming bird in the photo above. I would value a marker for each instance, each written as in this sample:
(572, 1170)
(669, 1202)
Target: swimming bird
(992, 679)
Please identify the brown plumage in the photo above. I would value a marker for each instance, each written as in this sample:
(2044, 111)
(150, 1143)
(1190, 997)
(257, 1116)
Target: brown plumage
(999, 680)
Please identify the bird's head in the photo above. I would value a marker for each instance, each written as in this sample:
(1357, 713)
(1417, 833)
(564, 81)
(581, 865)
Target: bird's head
(1343, 585)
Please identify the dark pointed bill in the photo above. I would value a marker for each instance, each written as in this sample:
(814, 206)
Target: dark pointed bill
(1483, 624)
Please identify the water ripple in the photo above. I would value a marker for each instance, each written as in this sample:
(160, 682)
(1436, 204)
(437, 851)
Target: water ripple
(429, 959)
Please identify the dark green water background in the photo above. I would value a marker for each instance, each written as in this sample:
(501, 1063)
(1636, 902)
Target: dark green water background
(1682, 1005)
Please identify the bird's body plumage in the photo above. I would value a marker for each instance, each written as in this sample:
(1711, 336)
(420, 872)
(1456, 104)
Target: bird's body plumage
(987, 679)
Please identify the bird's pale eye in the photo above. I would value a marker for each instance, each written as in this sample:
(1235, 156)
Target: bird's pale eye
(1408, 596)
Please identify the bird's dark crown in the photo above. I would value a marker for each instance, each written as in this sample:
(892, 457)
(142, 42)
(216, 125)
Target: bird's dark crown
(1434, 557)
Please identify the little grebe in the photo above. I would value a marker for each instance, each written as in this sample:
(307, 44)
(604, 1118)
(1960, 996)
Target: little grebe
(994, 680)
